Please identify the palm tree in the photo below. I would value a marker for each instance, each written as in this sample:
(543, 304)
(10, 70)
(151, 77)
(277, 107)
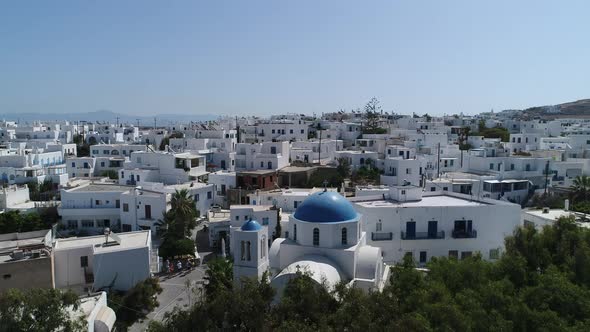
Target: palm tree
(184, 210)
(581, 187)
(180, 220)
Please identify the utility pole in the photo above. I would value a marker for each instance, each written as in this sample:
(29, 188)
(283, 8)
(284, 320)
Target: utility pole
(117, 122)
(438, 162)
(546, 176)
(320, 148)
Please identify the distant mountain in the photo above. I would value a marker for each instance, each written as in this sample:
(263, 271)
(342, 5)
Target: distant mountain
(578, 108)
(108, 116)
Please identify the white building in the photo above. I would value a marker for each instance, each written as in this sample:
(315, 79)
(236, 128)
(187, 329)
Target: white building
(223, 181)
(357, 159)
(91, 207)
(325, 239)
(115, 150)
(313, 151)
(405, 221)
(164, 167)
(114, 262)
(267, 155)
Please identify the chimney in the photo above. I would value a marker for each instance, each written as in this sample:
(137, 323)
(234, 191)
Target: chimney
(566, 205)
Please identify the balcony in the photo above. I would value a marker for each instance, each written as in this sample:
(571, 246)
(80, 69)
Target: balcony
(464, 234)
(381, 236)
(423, 235)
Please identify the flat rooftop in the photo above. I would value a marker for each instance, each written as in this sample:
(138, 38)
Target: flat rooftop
(257, 172)
(129, 240)
(101, 187)
(427, 201)
(552, 214)
(12, 241)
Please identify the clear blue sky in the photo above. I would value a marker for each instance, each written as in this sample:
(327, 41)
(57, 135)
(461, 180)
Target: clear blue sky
(254, 57)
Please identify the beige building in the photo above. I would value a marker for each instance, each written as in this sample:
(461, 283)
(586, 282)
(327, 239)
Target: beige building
(25, 260)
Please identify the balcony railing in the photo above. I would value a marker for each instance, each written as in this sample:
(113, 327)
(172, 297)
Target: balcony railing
(381, 236)
(423, 235)
(463, 234)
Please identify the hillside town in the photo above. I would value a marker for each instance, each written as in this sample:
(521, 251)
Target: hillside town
(98, 208)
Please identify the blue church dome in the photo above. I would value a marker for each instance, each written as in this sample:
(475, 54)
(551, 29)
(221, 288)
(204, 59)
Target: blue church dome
(251, 225)
(325, 206)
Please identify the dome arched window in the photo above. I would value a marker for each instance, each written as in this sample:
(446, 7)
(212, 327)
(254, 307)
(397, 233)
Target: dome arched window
(316, 236)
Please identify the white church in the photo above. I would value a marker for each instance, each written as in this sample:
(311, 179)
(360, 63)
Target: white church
(325, 239)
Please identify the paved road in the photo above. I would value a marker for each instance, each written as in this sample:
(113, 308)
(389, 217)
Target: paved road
(175, 289)
(174, 293)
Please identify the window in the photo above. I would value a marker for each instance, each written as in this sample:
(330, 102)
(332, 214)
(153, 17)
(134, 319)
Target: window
(243, 250)
(512, 167)
(265, 221)
(403, 192)
(101, 164)
(72, 224)
(87, 223)
(423, 256)
(491, 166)
(84, 261)
(125, 207)
(290, 131)
(273, 131)
(295, 204)
(294, 232)
(446, 188)
(465, 254)
(410, 229)
(209, 195)
(6, 276)
(378, 226)
(494, 253)
(316, 237)
(237, 217)
(393, 171)
(344, 236)
(248, 252)
(196, 197)
(302, 131)
(453, 254)
(126, 227)
(73, 164)
(408, 171)
(97, 202)
(432, 189)
(94, 151)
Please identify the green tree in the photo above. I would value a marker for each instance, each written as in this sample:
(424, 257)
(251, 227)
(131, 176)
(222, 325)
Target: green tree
(180, 220)
(343, 167)
(581, 187)
(15, 221)
(111, 174)
(39, 310)
(219, 276)
(372, 116)
(136, 303)
(82, 148)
